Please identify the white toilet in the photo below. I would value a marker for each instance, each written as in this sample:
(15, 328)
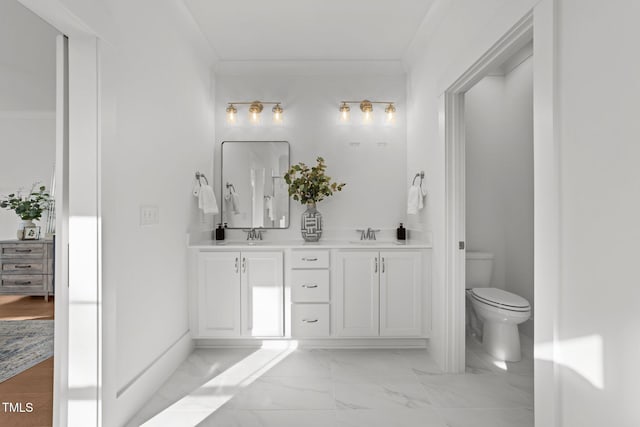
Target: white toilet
(499, 311)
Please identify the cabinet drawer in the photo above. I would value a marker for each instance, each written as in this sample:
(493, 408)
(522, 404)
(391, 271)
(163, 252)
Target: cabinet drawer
(310, 259)
(23, 267)
(18, 282)
(310, 285)
(310, 320)
(12, 250)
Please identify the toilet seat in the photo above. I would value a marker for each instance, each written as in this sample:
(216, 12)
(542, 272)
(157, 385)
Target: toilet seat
(500, 299)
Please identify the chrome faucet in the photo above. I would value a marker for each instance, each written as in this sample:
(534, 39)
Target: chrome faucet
(368, 234)
(254, 234)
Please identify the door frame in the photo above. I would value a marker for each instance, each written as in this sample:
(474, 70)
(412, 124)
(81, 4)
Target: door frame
(538, 25)
(78, 353)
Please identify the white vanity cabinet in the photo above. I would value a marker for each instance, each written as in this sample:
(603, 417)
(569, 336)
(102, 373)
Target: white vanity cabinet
(378, 293)
(356, 298)
(310, 296)
(218, 294)
(239, 293)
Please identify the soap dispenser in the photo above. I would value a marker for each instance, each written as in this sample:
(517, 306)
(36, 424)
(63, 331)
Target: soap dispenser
(401, 233)
(220, 232)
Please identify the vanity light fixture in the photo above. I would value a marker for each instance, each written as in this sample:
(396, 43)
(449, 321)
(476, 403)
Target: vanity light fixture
(255, 108)
(277, 114)
(344, 112)
(366, 107)
(390, 111)
(232, 112)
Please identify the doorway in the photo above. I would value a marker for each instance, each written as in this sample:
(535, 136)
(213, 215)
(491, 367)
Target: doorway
(499, 208)
(546, 196)
(28, 145)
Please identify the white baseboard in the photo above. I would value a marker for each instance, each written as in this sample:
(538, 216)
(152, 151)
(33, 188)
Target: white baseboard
(133, 395)
(329, 343)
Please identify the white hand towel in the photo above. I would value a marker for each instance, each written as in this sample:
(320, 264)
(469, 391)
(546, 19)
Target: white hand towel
(233, 200)
(207, 200)
(415, 199)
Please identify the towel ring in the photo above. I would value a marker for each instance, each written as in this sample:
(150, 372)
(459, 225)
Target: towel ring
(419, 174)
(228, 185)
(199, 176)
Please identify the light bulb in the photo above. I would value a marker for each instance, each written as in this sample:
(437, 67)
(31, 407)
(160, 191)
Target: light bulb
(277, 114)
(254, 112)
(390, 111)
(367, 108)
(344, 112)
(231, 114)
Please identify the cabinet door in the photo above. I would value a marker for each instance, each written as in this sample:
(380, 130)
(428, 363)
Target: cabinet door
(262, 294)
(218, 294)
(400, 293)
(357, 294)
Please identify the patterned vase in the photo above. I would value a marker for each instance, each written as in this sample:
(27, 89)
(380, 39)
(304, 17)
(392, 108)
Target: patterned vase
(311, 225)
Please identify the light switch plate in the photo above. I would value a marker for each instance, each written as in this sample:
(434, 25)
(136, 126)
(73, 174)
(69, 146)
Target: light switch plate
(149, 215)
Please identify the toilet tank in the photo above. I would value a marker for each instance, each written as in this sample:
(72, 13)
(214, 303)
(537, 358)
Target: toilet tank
(479, 267)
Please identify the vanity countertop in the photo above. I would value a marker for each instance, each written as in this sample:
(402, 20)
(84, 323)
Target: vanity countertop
(296, 244)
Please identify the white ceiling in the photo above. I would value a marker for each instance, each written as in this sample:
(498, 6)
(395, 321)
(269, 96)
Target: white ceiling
(309, 29)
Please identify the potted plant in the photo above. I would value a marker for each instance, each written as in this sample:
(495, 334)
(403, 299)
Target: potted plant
(310, 185)
(28, 207)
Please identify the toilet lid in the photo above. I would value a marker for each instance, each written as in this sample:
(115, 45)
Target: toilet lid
(495, 296)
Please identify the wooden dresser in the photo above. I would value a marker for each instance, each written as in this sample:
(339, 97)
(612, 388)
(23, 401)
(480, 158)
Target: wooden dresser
(26, 267)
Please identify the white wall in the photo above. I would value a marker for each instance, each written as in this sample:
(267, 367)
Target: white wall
(375, 194)
(27, 150)
(599, 128)
(597, 91)
(165, 134)
(27, 103)
(155, 65)
(499, 177)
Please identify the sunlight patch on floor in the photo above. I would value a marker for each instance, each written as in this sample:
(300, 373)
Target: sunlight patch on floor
(205, 400)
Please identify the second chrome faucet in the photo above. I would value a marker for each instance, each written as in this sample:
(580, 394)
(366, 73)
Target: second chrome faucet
(368, 234)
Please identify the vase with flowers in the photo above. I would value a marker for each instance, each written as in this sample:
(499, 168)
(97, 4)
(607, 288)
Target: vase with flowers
(28, 206)
(310, 185)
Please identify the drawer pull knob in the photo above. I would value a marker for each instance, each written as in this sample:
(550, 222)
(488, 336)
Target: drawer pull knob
(309, 286)
(310, 321)
(23, 266)
(309, 259)
(23, 251)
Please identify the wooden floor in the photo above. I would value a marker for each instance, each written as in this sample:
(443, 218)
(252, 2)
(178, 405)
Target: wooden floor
(34, 385)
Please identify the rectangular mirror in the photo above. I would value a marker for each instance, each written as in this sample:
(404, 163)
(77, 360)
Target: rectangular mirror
(254, 193)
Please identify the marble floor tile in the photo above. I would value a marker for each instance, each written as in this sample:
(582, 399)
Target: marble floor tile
(354, 365)
(390, 418)
(380, 396)
(285, 393)
(524, 383)
(473, 391)
(303, 363)
(511, 417)
(272, 418)
(345, 388)
(475, 364)
(419, 361)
